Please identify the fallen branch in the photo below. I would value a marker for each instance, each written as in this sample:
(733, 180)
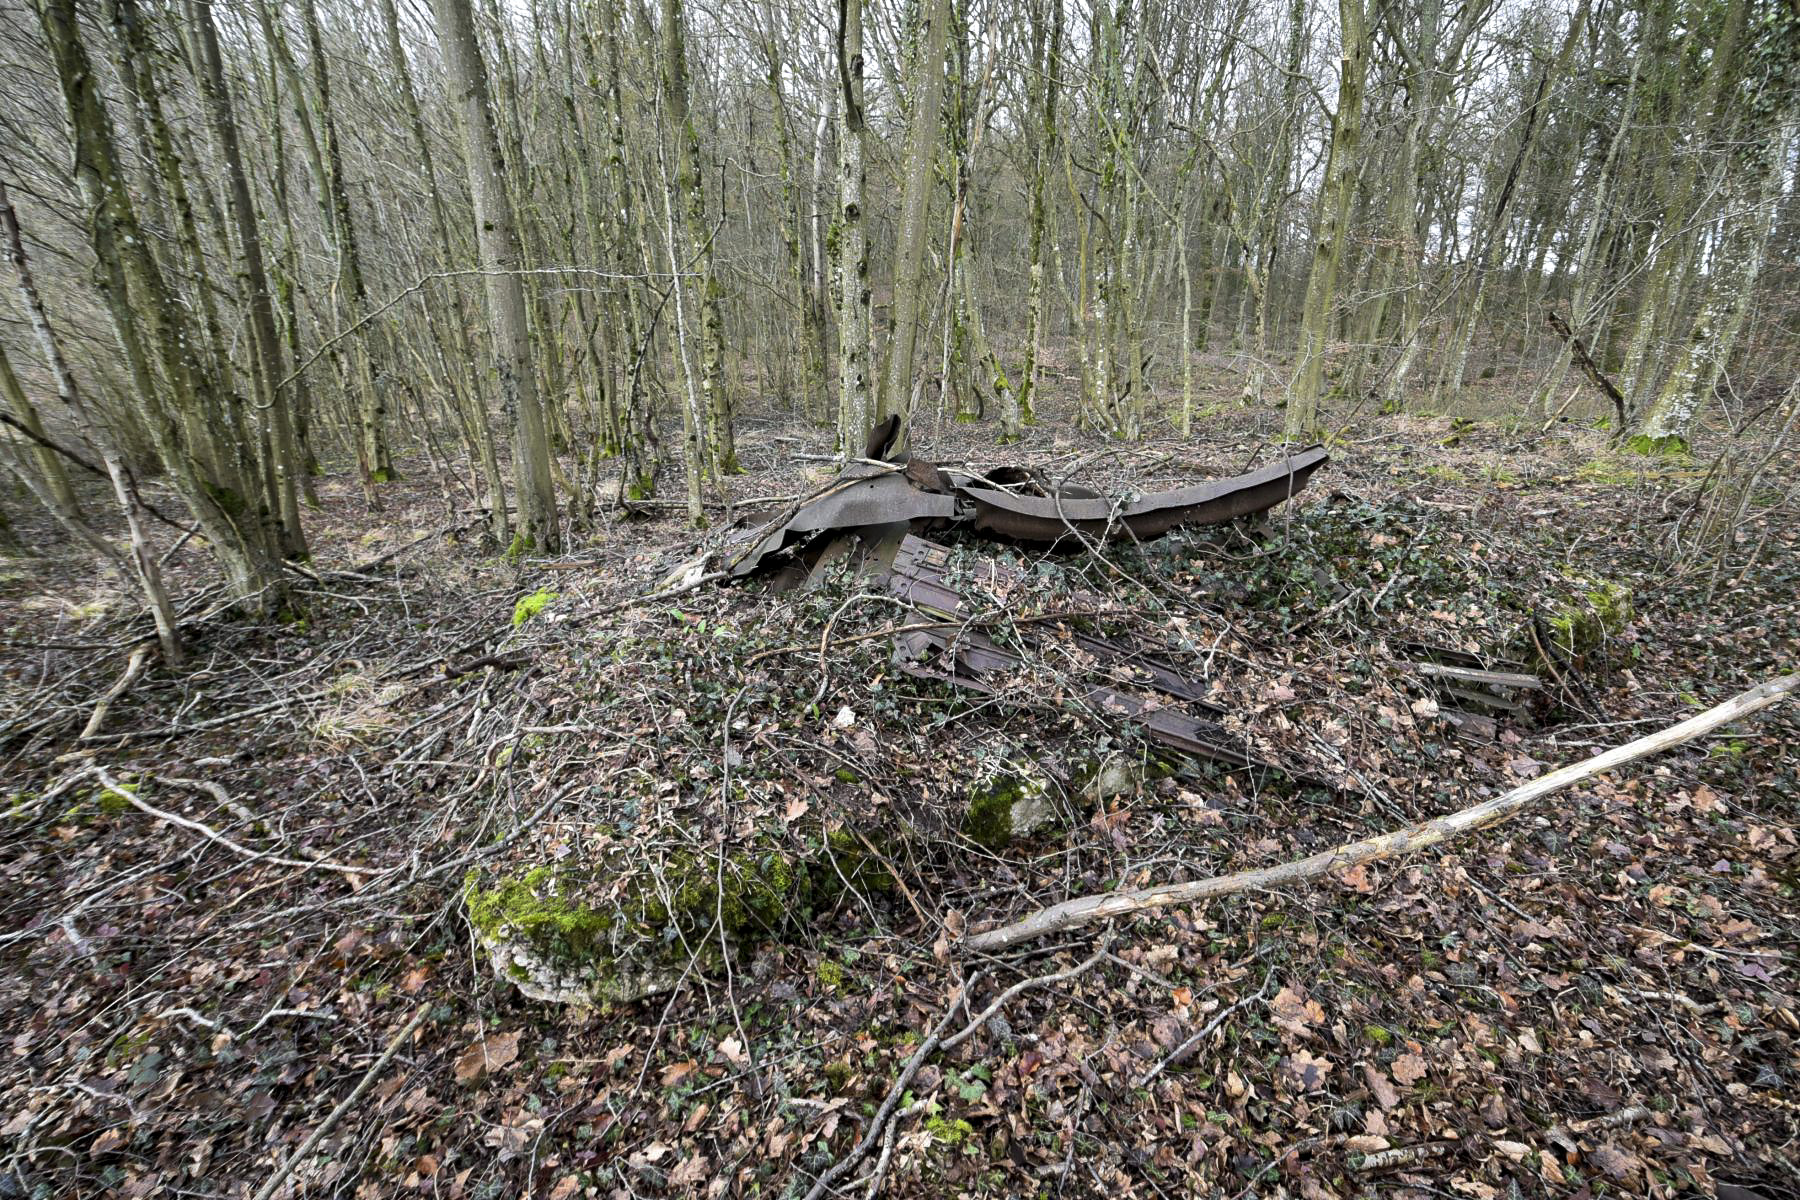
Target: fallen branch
(1085, 910)
(133, 667)
(337, 1114)
(1402, 1156)
(211, 834)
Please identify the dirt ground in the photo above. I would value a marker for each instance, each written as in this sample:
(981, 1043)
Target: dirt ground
(1594, 999)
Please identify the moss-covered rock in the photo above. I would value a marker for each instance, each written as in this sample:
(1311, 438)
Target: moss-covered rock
(562, 934)
(1595, 613)
(1011, 803)
(530, 606)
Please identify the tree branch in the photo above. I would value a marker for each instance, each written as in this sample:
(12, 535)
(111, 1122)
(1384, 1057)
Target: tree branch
(1086, 910)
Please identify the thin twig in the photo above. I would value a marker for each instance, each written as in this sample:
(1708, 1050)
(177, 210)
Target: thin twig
(337, 1114)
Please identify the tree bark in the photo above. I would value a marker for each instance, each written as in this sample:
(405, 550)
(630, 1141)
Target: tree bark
(919, 172)
(855, 417)
(498, 242)
(1341, 166)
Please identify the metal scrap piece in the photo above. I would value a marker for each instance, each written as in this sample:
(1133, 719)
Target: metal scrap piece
(967, 659)
(863, 495)
(1051, 518)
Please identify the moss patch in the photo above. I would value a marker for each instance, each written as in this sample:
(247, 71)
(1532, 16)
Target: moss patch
(569, 934)
(1599, 612)
(1011, 804)
(530, 606)
(1668, 446)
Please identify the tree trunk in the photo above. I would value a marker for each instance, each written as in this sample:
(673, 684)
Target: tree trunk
(1341, 167)
(277, 417)
(371, 399)
(854, 416)
(714, 394)
(919, 172)
(149, 574)
(498, 242)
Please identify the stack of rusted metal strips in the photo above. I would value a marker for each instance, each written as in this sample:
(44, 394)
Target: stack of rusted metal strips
(967, 658)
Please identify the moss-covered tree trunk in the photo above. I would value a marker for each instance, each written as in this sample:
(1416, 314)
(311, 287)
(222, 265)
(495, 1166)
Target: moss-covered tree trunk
(714, 393)
(269, 366)
(918, 171)
(1342, 164)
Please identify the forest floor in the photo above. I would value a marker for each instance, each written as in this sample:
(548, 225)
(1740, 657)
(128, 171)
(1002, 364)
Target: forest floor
(1595, 999)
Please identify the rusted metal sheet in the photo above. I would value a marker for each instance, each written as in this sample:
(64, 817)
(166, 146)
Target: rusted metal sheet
(917, 578)
(1052, 518)
(969, 660)
(862, 496)
(1021, 503)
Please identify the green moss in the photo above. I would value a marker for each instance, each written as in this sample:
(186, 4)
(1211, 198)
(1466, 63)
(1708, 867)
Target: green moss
(535, 908)
(521, 546)
(1668, 446)
(384, 475)
(530, 606)
(831, 973)
(949, 1132)
(848, 865)
(989, 820)
(1377, 1034)
(1599, 611)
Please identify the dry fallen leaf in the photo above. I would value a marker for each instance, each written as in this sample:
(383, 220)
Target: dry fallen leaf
(1409, 1069)
(487, 1055)
(689, 1171)
(1308, 1070)
(1295, 1012)
(1379, 1085)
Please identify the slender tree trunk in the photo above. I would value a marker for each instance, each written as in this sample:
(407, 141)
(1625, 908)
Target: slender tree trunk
(59, 496)
(270, 368)
(855, 418)
(1046, 58)
(915, 203)
(1751, 197)
(715, 395)
(1341, 167)
(455, 343)
(371, 397)
(498, 242)
(225, 497)
(61, 25)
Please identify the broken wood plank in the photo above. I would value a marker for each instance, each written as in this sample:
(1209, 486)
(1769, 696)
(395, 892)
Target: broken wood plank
(1496, 679)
